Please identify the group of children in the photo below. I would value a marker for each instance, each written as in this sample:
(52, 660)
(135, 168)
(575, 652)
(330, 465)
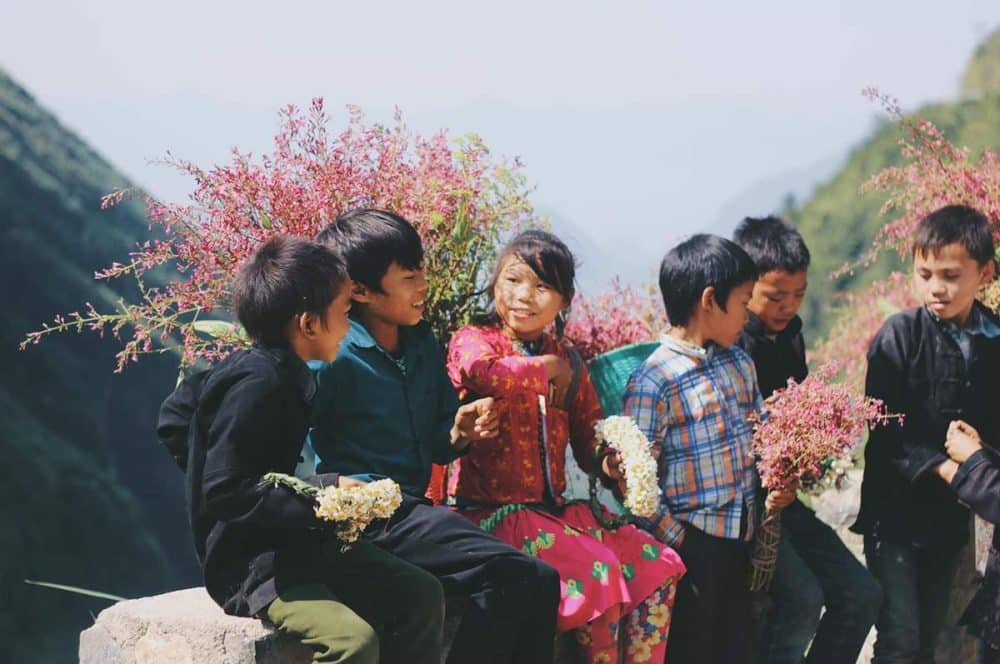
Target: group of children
(370, 395)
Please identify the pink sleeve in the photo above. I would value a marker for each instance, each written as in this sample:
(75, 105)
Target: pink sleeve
(475, 364)
(583, 415)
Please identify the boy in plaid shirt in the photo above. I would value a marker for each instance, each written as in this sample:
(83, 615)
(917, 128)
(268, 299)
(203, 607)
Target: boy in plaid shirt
(692, 398)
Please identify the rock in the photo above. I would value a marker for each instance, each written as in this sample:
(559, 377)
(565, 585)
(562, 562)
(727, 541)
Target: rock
(186, 627)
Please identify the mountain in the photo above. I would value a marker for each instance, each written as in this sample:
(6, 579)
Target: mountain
(87, 497)
(839, 224)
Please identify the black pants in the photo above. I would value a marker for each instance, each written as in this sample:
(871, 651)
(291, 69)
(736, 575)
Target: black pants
(711, 620)
(514, 597)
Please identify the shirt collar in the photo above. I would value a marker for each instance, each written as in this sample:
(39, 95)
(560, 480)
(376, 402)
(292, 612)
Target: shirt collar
(292, 368)
(690, 350)
(755, 327)
(981, 323)
(359, 337)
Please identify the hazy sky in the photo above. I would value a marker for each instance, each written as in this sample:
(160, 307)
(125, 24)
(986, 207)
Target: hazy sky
(635, 120)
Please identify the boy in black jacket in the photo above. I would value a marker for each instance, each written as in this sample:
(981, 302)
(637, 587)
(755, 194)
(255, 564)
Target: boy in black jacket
(263, 550)
(934, 364)
(815, 571)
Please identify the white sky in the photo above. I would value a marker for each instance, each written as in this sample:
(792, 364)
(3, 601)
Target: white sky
(637, 121)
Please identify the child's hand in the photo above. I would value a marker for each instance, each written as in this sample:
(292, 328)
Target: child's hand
(345, 482)
(962, 441)
(779, 499)
(475, 421)
(611, 466)
(560, 376)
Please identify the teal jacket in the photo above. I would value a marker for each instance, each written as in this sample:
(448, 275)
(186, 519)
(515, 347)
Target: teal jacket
(377, 416)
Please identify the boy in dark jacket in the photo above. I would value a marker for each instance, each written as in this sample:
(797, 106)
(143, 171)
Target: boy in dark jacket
(977, 484)
(815, 571)
(262, 548)
(934, 364)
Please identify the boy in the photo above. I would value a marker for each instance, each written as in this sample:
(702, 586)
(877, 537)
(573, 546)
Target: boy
(387, 408)
(692, 398)
(934, 364)
(262, 548)
(814, 569)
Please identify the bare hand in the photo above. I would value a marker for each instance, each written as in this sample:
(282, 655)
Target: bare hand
(611, 467)
(560, 374)
(345, 482)
(946, 470)
(779, 499)
(962, 441)
(475, 421)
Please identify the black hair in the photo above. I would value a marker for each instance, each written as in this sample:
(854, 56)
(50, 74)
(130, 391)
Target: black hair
(548, 257)
(694, 265)
(773, 244)
(956, 224)
(286, 277)
(370, 241)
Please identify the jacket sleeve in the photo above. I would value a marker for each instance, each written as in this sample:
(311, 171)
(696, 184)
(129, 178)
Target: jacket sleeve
(251, 418)
(977, 483)
(645, 402)
(476, 366)
(886, 380)
(442, 451)
(176, 412)
(584, 413)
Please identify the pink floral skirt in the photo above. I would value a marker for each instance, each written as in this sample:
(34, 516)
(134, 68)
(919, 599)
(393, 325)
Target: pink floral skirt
(599, 569)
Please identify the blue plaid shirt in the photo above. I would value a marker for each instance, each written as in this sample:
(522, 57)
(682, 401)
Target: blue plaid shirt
(693, 404)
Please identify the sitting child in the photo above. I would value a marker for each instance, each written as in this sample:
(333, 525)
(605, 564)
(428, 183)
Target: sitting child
(692, 398)
(263, 550)
(385, 407)
(616, 583)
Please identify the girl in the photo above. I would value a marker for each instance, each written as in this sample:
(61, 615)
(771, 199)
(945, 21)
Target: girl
(617, 585)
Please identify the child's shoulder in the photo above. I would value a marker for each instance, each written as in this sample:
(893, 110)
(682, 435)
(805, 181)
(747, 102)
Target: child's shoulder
(901, 329)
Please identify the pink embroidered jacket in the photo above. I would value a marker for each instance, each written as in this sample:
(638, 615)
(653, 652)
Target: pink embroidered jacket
(482, 362)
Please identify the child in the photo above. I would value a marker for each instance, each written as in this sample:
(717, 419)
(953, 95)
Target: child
(814, 569)
(977, 484)
(514, 485)
(692, 398)
(934, 364)
(386, 407)
(262, 548)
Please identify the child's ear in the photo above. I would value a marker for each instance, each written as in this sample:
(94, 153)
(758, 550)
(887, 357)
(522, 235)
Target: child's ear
(707, 300)
(307, 324)
(360, 293)
(988, 273)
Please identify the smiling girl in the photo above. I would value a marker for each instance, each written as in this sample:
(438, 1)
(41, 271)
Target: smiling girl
(617, 585)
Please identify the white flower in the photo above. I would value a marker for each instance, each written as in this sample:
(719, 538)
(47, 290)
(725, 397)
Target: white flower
(642, 493)
(354, 507)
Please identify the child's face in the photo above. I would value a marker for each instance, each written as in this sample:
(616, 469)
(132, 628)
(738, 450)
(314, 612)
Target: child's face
(323, 337)
(724, 327)
(777, 296)
(525, 304)
(947, 280)
(403, 297)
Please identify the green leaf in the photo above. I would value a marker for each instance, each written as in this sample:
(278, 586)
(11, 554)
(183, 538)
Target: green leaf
(218, 328)
(265, 221)
(74, 589)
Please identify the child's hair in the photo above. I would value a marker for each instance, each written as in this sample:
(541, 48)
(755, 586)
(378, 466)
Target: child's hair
(550, 259)
(694, 265)
(955, 224)
(773, 244)
(370, 241)
(286, 276)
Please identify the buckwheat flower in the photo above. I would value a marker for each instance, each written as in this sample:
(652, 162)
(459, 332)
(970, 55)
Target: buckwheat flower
(353, 508)
(642, 493)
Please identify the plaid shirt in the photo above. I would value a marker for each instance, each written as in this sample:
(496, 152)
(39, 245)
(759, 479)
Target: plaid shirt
(693, 404)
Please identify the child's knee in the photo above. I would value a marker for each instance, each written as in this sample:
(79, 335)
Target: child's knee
(356, 641)
(425, 594)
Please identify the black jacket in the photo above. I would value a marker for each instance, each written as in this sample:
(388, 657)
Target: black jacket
(977, 483)
(776, 359)
(916, 368)
(227, 427)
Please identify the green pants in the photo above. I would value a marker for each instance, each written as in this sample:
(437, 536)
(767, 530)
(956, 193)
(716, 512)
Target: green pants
(373, 608)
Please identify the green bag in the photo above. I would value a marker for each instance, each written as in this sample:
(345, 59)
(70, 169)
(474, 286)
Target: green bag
(611, 371)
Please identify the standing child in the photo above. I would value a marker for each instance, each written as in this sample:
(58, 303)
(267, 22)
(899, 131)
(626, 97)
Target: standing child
(692, 398)
(385, 408)
(934, 364)
(614, 581)
(977, 484)
(263, 550)
(815, 574)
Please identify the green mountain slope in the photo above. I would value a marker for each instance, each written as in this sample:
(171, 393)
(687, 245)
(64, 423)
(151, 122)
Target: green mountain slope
(87, 497)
